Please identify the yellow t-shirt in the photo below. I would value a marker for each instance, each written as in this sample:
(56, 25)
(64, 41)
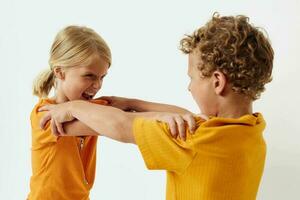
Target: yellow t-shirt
(224, 159)
(63, 168)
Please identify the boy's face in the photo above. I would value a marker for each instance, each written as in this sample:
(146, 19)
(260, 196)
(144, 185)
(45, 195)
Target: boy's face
(201, 87)
(85, 81)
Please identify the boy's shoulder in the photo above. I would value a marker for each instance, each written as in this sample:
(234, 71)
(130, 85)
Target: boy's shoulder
(230, 136)
(248, 120)
(234, 129)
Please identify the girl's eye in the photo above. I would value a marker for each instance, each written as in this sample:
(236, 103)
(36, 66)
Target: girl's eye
(102, 77)
(91, 76)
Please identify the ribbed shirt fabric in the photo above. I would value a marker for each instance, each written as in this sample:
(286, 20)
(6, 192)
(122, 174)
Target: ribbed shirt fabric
(223, 160)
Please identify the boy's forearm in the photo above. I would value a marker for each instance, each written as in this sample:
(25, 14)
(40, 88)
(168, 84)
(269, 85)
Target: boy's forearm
(105, 120)
(146, 106)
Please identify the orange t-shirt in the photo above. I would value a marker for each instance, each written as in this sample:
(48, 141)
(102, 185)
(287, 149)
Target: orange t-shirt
(224, 159)
(62, 167)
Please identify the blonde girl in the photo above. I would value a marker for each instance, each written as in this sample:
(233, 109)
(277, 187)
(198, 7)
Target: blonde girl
(64, 167)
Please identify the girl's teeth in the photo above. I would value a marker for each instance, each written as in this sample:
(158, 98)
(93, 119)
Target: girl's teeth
(87, 96)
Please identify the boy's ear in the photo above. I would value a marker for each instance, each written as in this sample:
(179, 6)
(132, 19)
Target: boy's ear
(219, 81)
(59, 73)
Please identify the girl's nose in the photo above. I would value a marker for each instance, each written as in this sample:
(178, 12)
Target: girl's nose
(189, 87)
(97, 84)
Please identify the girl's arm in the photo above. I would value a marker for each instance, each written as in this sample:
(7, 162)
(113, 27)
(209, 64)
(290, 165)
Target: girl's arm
(108, 121)
(77, 128)
(137, 105)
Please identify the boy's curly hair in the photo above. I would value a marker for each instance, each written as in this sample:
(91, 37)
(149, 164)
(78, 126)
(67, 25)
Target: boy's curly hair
(237, 49)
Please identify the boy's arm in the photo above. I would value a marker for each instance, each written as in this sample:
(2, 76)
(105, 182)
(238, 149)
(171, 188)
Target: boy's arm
(143, 106)
(106, 120)
(146, 106)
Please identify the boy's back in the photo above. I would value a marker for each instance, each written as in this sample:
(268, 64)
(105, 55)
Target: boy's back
(223, 159)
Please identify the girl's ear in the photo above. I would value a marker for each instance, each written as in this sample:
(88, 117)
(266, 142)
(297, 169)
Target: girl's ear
(219, 81)
(59, 73)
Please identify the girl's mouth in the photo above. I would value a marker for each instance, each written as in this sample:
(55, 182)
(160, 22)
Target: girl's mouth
(88, 95)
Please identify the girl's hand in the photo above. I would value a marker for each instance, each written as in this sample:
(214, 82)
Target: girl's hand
(58, 114)
(118, 102)
(178, 123)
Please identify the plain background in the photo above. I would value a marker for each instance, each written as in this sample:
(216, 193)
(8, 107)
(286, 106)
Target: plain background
(144, 38)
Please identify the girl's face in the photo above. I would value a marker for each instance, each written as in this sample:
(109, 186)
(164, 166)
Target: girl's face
(83, 82)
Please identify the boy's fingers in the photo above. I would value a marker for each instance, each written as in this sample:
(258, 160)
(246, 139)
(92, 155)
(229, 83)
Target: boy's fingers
(53, 127)
(44, 120)
(44, 108)
(191, 122)
(181, 127)
(59, 128)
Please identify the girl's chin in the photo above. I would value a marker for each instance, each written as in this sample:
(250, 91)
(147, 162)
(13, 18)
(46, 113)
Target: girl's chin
(77, 98)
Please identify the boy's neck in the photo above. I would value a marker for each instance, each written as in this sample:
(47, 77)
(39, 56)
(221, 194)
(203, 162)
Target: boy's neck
(234, 107)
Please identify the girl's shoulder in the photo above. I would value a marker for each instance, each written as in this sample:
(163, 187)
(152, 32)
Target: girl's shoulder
(35, 114)
(41, 137)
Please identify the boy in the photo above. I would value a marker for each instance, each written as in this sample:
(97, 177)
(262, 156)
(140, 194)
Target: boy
(230, 61)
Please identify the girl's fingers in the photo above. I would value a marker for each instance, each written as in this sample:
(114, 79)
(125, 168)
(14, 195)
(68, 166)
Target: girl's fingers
(44, 120)
(181, 127)
(106, 98)
(191, 122)
(203, 116)
(173, 127)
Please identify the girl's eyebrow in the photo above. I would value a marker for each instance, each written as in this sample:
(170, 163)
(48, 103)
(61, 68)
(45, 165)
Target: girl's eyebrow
(95, 75)
(89, 73)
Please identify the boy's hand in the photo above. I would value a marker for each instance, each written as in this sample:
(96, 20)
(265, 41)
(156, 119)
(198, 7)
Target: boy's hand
(178, 123)
(58, 114)
(118, 102)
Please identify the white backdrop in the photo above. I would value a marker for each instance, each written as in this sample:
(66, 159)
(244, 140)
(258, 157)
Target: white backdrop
(144, 38)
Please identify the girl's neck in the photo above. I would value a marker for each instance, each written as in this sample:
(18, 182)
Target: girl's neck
(59, 98)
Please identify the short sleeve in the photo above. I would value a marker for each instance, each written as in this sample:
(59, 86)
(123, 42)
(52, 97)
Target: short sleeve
(41, 137)
(159, 149)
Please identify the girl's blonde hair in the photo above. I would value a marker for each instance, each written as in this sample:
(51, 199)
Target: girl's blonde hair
(73, 46)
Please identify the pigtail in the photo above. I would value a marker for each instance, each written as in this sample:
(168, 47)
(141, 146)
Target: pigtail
(43, 83)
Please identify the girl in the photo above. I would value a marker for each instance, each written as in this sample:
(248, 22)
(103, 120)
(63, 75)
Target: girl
(64, 167)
